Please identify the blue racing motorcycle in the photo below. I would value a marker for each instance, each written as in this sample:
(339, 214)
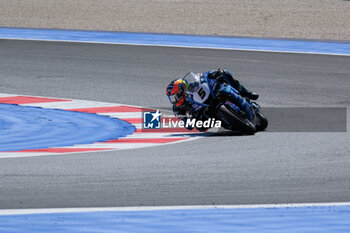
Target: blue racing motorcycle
(213, 99)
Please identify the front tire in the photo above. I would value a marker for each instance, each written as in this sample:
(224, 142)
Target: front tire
(263, 122)
(235, 121)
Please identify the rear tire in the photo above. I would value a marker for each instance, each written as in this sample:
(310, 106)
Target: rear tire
(236, 121)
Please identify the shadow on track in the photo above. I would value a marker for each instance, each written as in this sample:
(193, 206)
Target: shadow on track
(219, 133)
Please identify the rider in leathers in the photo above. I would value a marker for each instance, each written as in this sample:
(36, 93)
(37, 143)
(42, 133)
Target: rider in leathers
(183, 109)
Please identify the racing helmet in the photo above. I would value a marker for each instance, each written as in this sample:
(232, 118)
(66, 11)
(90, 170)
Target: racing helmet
(175, 91)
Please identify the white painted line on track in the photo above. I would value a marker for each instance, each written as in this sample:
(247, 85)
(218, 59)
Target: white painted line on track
(159, 135)
(114, 145)
(155, 208)
(6, 95)
(72, 104)
(179, 46)
(123, 115)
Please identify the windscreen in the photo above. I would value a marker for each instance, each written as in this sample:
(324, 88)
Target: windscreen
(192, 80)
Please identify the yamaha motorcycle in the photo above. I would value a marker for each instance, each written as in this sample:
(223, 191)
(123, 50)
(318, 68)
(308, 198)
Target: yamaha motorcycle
(214, 99)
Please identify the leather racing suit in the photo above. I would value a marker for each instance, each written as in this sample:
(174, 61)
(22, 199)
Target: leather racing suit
(185, 111)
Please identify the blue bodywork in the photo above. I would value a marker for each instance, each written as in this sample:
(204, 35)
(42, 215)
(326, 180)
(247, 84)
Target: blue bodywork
(216, 88)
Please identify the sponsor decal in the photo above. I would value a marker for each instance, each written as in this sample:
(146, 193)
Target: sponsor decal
(155, 120)
(151, 120)
(193, 123)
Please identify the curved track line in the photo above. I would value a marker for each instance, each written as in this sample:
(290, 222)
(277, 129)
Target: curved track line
(133, 114)
(180, 41)
(4, 212)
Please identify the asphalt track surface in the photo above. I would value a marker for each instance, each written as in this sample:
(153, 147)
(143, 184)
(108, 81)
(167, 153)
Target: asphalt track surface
(268, 167)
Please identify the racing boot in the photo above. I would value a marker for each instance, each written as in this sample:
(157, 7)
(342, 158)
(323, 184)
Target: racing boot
(250, 95)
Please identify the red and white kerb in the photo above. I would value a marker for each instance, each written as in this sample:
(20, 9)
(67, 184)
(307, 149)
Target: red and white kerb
(132, 114)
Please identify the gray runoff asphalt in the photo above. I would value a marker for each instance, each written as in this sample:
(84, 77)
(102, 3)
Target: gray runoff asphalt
(265, 168)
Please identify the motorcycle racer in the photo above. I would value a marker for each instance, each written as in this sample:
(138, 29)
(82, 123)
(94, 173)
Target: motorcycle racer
(177, 92)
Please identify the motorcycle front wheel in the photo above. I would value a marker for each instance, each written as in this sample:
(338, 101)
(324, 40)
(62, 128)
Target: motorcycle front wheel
(235, 121)
(263, 122)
